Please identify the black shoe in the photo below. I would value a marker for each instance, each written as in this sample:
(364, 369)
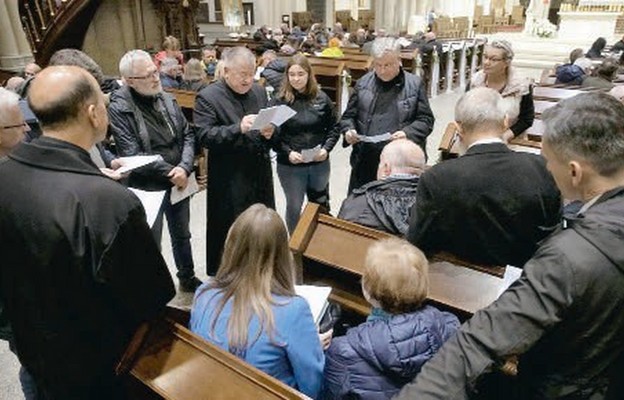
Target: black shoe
(189, 285)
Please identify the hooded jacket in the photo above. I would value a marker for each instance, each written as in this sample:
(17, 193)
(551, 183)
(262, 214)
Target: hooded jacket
(375, 359)
(570, 74)
(564, 317)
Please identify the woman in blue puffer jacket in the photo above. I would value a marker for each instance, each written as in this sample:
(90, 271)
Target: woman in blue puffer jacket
(376, 359)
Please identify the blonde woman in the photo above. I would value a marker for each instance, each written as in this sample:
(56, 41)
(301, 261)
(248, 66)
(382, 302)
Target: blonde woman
(194, 77)
(250, 308)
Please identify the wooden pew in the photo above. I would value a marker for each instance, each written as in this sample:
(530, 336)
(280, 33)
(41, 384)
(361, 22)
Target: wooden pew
(167, 361)
(331, 251)
(553, 94)
(542, 105)
(329, 75)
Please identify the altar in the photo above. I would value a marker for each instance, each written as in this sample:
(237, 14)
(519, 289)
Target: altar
(585, 25)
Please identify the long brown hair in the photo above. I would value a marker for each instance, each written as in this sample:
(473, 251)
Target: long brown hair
(256, 264)
(287, 92)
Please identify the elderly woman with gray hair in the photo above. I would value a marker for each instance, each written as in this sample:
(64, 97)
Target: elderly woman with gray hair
(387, 103)
(498, 74)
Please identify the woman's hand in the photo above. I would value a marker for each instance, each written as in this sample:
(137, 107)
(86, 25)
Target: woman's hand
(326, 338)
(295, 157)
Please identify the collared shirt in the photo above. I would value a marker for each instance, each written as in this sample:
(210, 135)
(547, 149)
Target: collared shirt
(486, 141)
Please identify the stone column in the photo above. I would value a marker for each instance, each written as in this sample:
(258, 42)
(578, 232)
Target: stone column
(15, 51)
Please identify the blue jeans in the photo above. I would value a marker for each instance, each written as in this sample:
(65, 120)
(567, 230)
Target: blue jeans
(178, 218)
(301, 180)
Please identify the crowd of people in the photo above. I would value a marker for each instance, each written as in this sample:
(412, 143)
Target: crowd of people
(82, 269)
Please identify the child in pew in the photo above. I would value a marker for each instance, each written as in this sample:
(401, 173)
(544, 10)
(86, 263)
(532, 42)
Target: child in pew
(374, 360)
(250, 308)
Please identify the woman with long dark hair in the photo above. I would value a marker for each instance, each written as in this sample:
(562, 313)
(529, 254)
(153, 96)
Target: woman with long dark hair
(303, 142)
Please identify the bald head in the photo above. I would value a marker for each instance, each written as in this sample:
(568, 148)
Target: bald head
(68, 102)
(401, 157)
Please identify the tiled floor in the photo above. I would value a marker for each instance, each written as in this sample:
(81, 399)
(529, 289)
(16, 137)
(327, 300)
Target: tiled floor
(442, 106)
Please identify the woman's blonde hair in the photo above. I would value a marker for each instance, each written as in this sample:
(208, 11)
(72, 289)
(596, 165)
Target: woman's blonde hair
(396, 274)
(287, 92)
(256, 264)
(171, 43)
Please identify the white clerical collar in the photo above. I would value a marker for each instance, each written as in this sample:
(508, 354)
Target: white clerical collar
(588, 204)
(486, 141)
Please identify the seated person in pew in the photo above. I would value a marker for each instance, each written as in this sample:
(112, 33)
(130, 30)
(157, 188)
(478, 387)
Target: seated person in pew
(491, 205)
(604, 76)
(498, 74)
(272, 69)
(250, 308)
(563, 318)
(194, 77)
(170, 73)
(375, 359)
(575, 72)
(384, 204)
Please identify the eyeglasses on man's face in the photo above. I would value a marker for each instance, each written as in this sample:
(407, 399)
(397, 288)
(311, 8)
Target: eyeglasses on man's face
(150, 75)
(15, 126)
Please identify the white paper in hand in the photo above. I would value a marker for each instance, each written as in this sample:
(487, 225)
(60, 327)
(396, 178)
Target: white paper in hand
(317, 299)
(134, 162)
(384, 137)
(151, 201)
(192, 187)
(273, 115)
(308, 154)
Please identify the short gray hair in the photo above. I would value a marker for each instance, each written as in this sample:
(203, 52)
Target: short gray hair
(126, 64)
(589, 126)
(236, 56)
(168, 63)
(8, 100)
(479, 109)
(384, 45)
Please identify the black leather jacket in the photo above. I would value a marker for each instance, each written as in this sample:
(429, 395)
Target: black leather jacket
(131, 137)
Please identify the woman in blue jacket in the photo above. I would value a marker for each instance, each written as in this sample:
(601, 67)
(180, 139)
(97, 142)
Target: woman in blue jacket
(303, 142)
(376, 359)
(250, 308)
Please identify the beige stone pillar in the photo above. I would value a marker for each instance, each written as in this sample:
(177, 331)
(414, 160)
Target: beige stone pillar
(15, 52)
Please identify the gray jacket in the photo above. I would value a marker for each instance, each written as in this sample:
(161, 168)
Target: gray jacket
(564, 317)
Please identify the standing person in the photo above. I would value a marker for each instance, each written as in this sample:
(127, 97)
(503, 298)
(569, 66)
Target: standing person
(386, 100)
(498, 74)
(80, 270)
(313, 126)
(563, 318)
(238, 161)
(251, 310)
(146, 120)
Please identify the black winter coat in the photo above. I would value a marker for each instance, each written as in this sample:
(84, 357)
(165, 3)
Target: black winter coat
(563, 317)
(239, 168)
(132, 138)
(314, 124)
(80, 268)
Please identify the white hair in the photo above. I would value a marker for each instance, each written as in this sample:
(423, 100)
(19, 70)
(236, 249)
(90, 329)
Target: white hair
(126, 64)
(8, 100)
(479, 109)
(238, 56)
(384, 45)
(168, 64)
(584, 62)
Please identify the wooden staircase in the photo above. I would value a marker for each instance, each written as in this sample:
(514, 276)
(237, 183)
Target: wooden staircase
(51, 25)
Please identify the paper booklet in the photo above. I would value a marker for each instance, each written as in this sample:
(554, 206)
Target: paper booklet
(134, 162)
(192, 187)
(151, 201)
(384, 137)
(309, 154)
(317, 299)
(273, 115)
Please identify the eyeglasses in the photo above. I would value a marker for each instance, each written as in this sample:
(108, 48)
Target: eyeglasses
(149, 75)
(14, 126)
(493, 59)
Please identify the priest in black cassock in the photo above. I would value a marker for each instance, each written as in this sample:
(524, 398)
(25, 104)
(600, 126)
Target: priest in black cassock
(239, 167)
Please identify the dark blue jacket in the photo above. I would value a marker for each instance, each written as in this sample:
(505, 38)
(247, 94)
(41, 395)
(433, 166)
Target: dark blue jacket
(570, 74)
(377, 358)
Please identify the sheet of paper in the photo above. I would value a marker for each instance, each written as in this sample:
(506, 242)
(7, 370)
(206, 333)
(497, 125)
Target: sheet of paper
(309, 154)
(512, 274)
(273, 115)
(316, 297)
(152, 201)
(384, 137)
(191, 188)
(134, 162)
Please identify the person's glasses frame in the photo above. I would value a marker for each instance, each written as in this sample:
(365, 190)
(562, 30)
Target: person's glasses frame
(153, 74)
(24, 123)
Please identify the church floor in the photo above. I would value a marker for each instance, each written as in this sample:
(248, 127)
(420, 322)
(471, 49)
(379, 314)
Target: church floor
(443, 108)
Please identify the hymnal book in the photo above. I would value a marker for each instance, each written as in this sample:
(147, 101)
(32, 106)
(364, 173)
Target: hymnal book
(317, 299)
(273, 115)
